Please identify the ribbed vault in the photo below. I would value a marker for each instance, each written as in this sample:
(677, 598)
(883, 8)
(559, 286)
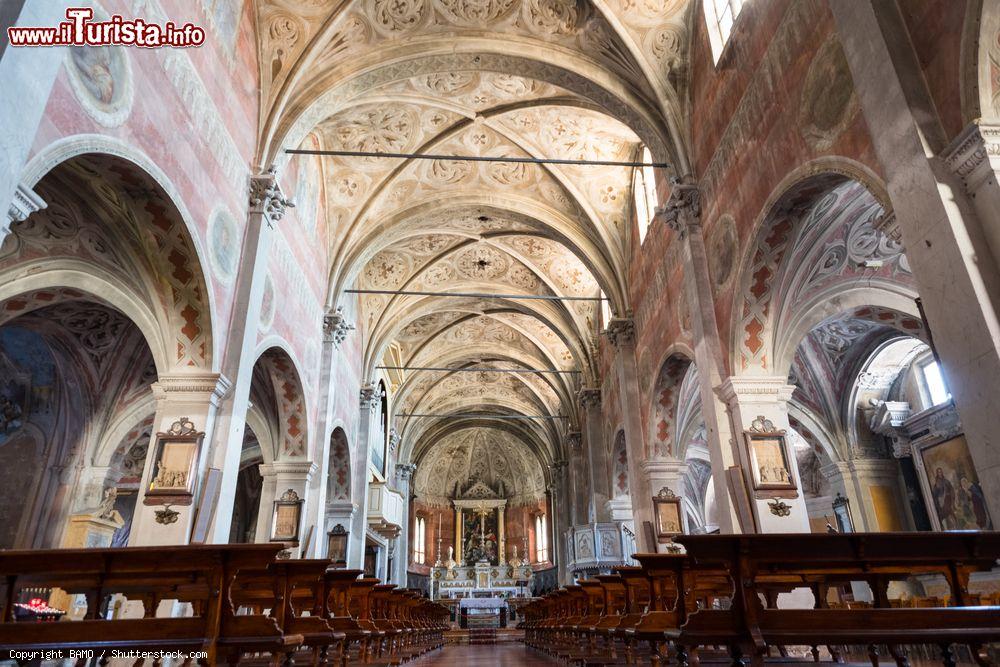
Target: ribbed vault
(569, 79)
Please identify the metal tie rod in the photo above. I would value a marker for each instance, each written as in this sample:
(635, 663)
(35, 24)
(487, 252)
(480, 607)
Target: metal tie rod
(476, 295)
(476, 158)
(476, 369)
(484, 415)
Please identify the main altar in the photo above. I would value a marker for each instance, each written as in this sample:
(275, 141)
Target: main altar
(477, 567)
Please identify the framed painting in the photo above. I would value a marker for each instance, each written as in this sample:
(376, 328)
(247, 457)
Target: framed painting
(767, 454)
(952, 492)
(287, 515)
(175, 463)
(667, 515)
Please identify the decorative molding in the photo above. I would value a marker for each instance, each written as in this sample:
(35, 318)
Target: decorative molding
(266, 197)
(969, 155)
(682, 210)
(369, 396)
(574, 439)
(192, 387)
(589, 397)
(666, 493)
(779, 507)
(754, 389)
(404, 472)
(24, 203)
(887, 419)
(336, 327)
(166, 516)
(289, 470)
(888, 226)
(933, 425)
(621, 331)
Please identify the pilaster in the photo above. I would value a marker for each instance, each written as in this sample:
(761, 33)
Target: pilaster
(946, 202)
(404, 475)
(682, 213)
(869, 484)
(597, 453)
(24, 202)
(266, 206)
(360, 462)
(186, 398)
(279, 478)
(621, 333)
(760, 403)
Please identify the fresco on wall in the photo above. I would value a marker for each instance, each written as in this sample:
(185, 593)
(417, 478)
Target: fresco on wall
(102, 81)
(27, 376)
(957, 499)
(223, 245)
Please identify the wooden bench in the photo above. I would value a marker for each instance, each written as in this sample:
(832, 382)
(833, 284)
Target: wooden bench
(293, 592)
(763, 564)
(199, 575)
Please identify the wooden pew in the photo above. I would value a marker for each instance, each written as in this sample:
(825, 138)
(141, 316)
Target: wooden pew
(765, 563)
(200, 575)
(288, 590)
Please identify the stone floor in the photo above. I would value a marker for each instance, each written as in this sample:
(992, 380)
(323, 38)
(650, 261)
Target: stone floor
(497, 655)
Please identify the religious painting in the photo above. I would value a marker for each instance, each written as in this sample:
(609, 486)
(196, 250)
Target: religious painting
(175, 461)
(768, 456)
(667, 515)
(224, 245)
(952, 486)
(287, 514)
(479, 533)
(101, 79)
(337, 546)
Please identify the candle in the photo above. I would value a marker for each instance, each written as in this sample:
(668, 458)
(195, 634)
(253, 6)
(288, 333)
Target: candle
(439, 525)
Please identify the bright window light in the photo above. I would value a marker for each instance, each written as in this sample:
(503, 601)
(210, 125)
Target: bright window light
(934, 381)
(644, 192)
(720, 15)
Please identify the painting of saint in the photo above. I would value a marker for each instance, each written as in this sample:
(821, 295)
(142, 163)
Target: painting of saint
(956, 497)
(101, 80)
(480, 539)
(769, 463)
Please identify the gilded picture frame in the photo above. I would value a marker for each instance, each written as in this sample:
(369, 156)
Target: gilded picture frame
(668, 520)
(287, 518)
(768, 459)
(175, 463)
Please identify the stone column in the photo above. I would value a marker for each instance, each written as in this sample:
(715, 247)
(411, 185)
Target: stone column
(360, 462)
(187, 397)
(682, 213)
(501, 537)
(951, 239)
(579, 480)
(266, 207)
(281, 477)
(621, 333)
(335, 330)
(755, 399)
(27, 75)
(664, 473)
(404, 473)
(459, 537)
(597, 453)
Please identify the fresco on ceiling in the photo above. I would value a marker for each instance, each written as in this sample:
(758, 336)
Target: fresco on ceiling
(27, 377)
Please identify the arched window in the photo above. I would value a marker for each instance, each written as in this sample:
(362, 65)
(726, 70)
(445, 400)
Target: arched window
(605, 310)
(541, 539)
(419, 539)
(644, 193)
(720, 16)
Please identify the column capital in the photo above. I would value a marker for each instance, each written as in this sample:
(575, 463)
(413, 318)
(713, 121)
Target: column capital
(24, 202)
(336, 327)
(404, 471)
(369, 396)
(303, 468)
(971, 154)
(621, 331)
(192, 386)
(574, 439)
(393, 440)
(589, 397)
(657, 468)
(266, 197)
(682, 210)
(755, 389)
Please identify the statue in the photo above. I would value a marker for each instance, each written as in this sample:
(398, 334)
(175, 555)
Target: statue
(514, 562)
(106, 509)
(450, 563)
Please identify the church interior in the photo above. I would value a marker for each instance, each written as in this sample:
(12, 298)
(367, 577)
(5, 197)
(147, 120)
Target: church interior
(501, 332)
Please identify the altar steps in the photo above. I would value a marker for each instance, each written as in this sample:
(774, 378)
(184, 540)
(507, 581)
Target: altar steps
(459, 637)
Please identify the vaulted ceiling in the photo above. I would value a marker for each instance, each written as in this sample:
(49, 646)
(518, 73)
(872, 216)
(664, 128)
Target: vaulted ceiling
(570, 79)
